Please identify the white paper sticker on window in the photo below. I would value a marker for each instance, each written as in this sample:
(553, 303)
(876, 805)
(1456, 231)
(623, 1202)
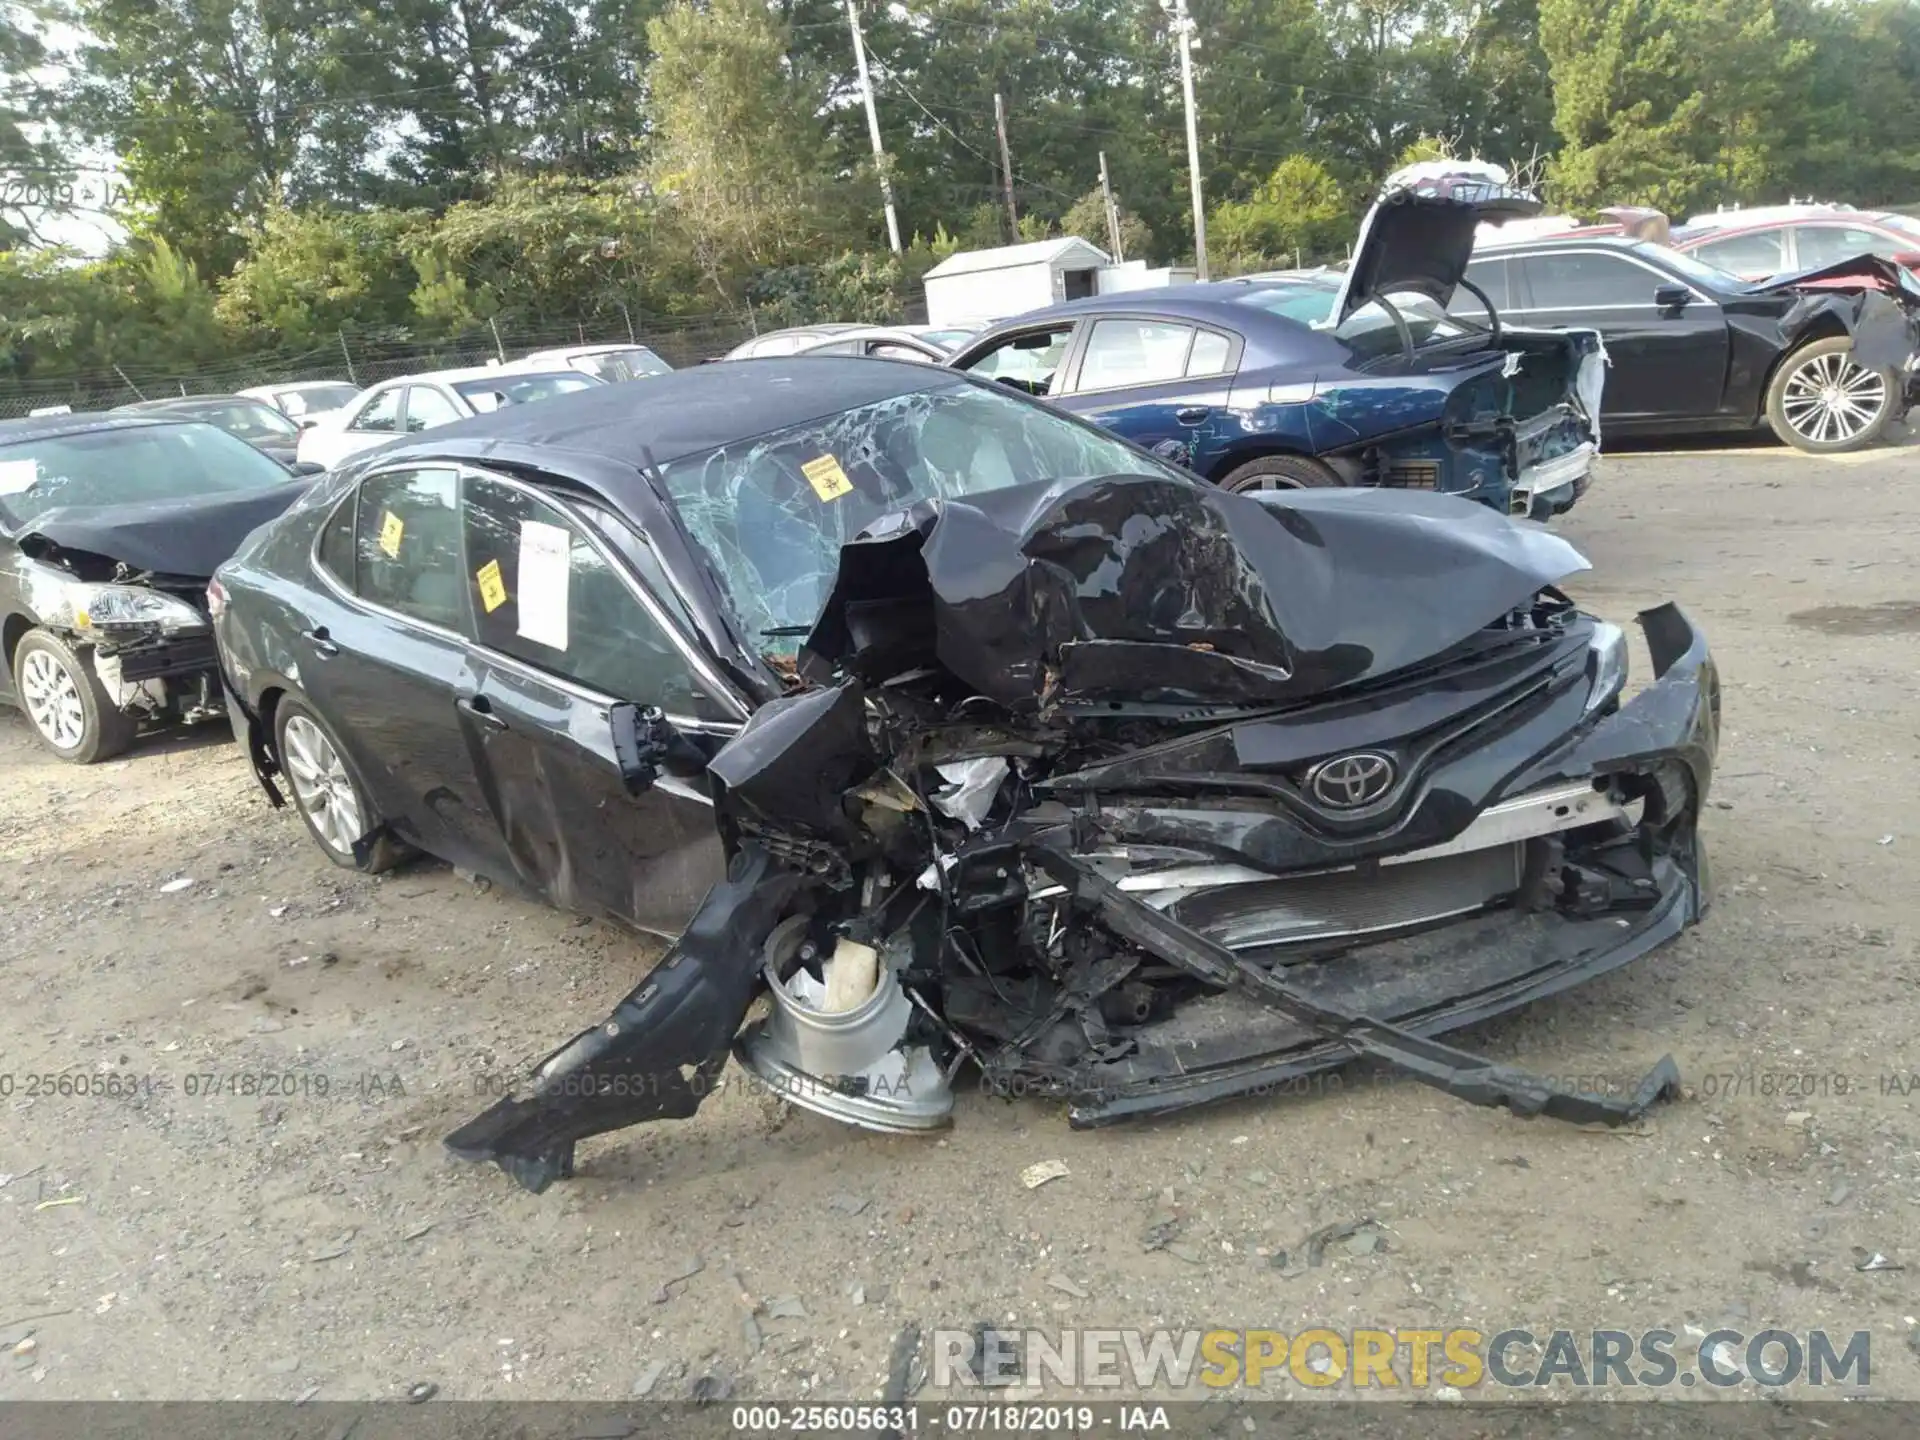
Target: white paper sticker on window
(543, 583)
(17, 476)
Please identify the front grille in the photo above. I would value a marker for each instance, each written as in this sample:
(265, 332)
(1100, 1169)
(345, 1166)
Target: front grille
(1352, 902)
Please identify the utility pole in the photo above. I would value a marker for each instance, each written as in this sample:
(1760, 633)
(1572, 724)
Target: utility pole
(873, 128)
(1006, 165)
(1183, 27)
(1113, 213)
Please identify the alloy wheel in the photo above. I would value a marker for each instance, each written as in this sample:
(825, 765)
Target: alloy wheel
(52, 695)
(1829, 400)
(321, 785)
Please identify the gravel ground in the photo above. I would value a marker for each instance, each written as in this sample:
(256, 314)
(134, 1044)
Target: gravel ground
(175, 1243)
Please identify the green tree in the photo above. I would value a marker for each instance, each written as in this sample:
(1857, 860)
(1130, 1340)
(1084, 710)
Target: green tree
(28, 153)
(738, 166)
(1087, 218)
(218, 108)
(308, 273)
(1673, 103)
(1298, 214)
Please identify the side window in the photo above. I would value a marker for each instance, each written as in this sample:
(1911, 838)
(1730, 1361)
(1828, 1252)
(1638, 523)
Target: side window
(1027, 361)
(427, 407)
(542, 594)
(1762, 253)
(336, 542)
(1577, 281)
(1489, 276)
(381, 413)
(1209, 353)
(1134, 352)
(1829, 244)
(407, 546)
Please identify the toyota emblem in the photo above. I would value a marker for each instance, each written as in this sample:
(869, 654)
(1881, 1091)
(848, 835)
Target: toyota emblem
(1351, 781)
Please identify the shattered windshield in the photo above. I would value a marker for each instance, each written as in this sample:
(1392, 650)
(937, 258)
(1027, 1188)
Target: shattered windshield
(772, 512)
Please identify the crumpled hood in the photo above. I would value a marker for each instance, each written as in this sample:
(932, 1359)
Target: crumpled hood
(1146, 590)
(173, 537)
(1419, 234)
(1876, 301)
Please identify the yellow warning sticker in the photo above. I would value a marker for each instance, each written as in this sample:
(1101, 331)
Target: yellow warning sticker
(493, 589)
(829, 481)
(391, 529)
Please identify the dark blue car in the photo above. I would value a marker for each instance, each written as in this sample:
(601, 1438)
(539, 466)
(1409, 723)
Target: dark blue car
(1353, 377)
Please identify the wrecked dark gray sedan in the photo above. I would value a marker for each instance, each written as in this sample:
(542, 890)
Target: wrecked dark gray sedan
(946, 732)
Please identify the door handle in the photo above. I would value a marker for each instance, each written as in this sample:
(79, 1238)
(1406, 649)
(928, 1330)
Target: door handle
(481, 709)
(1192, 414)
(323, 646)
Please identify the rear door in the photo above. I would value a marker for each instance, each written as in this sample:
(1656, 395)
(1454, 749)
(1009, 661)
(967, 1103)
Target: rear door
(1162, 383)
(385, 655)
(1669, 361)
(428, 407)
(375, 422)
(567, 628)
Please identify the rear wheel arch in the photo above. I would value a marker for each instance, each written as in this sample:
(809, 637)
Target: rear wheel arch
(385, 849)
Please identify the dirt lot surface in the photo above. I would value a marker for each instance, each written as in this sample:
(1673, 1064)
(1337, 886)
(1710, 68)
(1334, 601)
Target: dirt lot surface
(199, 1239)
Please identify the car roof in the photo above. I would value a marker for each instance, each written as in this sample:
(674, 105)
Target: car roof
(469, 372)
(686, 412)
(565, 352)
(1214, 300)
(1626, 243)
(295, 385)
(187, 402)
(48, 427)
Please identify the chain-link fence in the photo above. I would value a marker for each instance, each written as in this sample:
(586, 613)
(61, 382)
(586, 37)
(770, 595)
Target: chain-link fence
(365, 357)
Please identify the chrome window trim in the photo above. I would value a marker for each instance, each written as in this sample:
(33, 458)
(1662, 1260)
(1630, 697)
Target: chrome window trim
(722, 690)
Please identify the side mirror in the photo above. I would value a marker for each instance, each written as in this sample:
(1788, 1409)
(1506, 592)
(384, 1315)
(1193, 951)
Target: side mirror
(645, 743)
(1671, 297)
(308, 467)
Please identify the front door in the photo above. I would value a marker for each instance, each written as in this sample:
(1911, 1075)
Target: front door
(1668, 361)
(566, 631)
(384, 653)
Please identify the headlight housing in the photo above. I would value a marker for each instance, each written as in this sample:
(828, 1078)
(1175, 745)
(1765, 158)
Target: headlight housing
(1606, 664)
(110, 610)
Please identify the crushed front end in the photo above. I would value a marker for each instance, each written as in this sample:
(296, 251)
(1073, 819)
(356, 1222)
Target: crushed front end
(1142, 795)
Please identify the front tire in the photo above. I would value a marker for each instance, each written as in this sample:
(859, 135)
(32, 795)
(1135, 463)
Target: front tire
(1280, 472)
(68, 708)
(1824, 404)
(329, 798)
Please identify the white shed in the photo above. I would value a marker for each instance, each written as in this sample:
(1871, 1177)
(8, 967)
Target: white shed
(982, 285)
